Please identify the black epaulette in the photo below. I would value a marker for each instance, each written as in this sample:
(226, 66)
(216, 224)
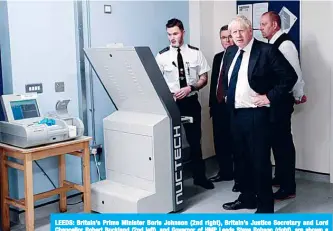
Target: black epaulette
(164, 50)
(192, 47)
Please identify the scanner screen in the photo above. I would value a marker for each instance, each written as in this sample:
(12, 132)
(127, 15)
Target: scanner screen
(24, 109)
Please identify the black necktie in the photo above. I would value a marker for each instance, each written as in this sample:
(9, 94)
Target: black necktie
(233, 80)
(181, 69)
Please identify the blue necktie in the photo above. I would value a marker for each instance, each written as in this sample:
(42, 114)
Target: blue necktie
(233, 81)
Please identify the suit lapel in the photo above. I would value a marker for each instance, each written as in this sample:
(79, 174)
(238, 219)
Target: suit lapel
(218, 65)
(216, 71)
(230, 58)
(220, 57)
(254, 55)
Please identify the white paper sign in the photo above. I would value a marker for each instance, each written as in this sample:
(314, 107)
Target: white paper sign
(288, 19)
(258, 10)
(245, 10)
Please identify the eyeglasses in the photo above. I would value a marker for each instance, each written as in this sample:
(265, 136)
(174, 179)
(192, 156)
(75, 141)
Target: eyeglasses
(226, 37)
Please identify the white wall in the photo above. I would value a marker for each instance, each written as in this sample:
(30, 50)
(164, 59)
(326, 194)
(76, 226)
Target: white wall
(206, 19)
(330, 19)
(311, 121)
(224, 11)
(206, 31)
(43, 50)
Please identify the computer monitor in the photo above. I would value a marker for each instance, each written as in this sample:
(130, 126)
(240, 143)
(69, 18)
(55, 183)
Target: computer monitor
(24, 109)
(20, 107)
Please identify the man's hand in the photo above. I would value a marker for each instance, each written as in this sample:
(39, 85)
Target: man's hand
(261, 100)
(183, 92)
(302, 100)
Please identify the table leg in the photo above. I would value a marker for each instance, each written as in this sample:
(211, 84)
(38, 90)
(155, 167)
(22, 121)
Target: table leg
(62, 178)
(5, 217)
(86, 178)
(28, 191)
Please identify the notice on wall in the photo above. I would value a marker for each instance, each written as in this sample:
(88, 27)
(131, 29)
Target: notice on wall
(258, 10)
(245, 10)
(288, 19)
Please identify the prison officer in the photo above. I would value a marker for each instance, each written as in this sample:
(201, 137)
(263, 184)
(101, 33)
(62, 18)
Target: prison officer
(185, 71)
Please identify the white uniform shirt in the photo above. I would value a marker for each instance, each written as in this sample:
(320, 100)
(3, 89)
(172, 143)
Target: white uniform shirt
(244, 95)
(195, 64)
(289, 51)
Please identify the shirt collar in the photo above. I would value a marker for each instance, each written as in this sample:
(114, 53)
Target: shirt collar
(248, 46)
(275, 36)
(182, 47)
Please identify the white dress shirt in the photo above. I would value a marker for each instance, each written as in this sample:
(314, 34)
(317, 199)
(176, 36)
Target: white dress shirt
(195, 64)
(289, 51)
(244, 95)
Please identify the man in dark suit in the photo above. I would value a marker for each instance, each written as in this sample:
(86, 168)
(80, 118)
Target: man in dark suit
(256, 79)
(220, 116)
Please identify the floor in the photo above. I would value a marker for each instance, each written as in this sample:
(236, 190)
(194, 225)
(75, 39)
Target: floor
(314, 195)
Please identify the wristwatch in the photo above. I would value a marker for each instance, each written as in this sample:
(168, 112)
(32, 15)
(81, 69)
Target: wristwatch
(193, 88)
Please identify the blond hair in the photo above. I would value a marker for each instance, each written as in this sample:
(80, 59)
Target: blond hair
(242, 20)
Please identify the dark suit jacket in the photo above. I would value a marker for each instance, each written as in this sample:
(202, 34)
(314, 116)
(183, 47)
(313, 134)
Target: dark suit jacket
(214, 78)
(269, 73)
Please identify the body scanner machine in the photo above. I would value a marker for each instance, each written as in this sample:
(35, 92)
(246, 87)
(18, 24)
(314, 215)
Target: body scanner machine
(142, 138)
(26, 127)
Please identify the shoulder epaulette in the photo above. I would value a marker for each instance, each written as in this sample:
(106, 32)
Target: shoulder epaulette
(192, 47)
(164, 50)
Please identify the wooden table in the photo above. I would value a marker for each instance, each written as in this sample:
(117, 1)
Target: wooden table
(78, 147)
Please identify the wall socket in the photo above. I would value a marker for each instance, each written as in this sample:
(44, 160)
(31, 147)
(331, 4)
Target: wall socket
(107, 9)
(96, 149)
(34, 87)
(59, 86)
